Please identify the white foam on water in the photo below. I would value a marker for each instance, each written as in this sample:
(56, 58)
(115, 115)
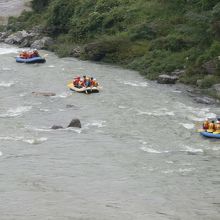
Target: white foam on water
(6, 49)
(51, 66)
(122, 107)
(99, 124)
(35, 140)
(192, 150)
(44, 110)
(158, 112)
(216, 148)
(38, 129)
(136, 84)
(169, 162)
(184, 170)
(6, 68)
(63, 95)
(7, 138)
(196, 114)
(6, 84)
(167, 171)
(77, 130)
(16, 112)
(1, 154)
(150, 150)
(25, 139)
(188, 126)
(22, 94)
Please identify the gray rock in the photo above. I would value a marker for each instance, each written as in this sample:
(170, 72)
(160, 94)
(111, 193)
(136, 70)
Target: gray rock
(75, 123)
(3, 36)
(199, 82)
(205, 100)
(210, 67)
(70, 106)
(44, 93)
(166, 79)
(17, 37)
(55, 127)
(216, 89)
(76, 52)
(178, 72)
(43, 43)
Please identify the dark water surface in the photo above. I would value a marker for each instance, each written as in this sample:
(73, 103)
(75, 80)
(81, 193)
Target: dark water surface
(137, 155)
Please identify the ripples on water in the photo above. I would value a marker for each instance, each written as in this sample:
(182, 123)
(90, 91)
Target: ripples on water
(137, 155)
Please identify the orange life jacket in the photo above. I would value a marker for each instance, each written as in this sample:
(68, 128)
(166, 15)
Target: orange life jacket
(211, 126)
(205, 125)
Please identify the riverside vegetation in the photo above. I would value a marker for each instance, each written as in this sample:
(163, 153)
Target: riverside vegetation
(150, 36)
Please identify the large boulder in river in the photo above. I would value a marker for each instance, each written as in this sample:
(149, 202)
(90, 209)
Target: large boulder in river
(43, 43)
(166, 79)
(75, 123)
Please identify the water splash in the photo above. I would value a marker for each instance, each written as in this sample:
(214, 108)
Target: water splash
(6, 84)
(16, 112)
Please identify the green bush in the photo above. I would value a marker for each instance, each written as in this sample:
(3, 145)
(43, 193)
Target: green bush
(39, 5)
(208, 81)
(172, 42)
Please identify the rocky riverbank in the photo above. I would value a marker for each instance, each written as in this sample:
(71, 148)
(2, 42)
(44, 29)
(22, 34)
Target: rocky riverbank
(38, 38)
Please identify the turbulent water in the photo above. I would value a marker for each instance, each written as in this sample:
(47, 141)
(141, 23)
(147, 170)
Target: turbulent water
(137, 155)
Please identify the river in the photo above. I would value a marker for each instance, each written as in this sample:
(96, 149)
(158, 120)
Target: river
(136, 157)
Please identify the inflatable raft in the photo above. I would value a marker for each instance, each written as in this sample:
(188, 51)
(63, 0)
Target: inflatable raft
(31, 60)
(84, 89)
(209, 135)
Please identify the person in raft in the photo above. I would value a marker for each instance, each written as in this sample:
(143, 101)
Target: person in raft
(77, 82)
(86, 81)
(205, 125)
(217, 127)
(34, 53)
(211, 127)
(93, 82)
(24, 54)
(29, 54)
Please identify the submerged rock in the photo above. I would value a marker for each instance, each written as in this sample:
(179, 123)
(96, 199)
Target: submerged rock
(75, 123)
(44, 93)
(166, 79)
(71, 106)
(205, 100)
(55, 127)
